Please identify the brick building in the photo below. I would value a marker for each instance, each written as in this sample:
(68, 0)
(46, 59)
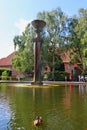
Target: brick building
(69, 68)
(7, 63)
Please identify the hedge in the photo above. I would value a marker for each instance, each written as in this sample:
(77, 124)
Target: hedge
(58, 76)
(5, 69)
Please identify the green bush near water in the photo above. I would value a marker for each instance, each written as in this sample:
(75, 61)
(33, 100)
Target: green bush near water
(5, 73)
(58, 76)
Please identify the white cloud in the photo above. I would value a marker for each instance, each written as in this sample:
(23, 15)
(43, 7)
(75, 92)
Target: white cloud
(21, 24)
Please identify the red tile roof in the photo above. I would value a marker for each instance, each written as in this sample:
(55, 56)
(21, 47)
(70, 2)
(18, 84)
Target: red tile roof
(65, 57)
(7, 60)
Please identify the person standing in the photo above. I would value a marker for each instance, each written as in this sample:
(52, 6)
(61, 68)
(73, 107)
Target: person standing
(79, 77)
(70, 77)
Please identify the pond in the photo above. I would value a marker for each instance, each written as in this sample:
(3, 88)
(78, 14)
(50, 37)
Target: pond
(62, 107)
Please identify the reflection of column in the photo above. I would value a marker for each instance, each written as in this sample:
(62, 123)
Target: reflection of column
(34, 94)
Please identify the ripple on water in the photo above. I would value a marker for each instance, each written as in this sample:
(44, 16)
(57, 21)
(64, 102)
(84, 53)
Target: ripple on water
(4, 113)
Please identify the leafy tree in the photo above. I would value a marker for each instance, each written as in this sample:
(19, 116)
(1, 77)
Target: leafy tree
(53, 38)
(62, 33)
(55, 35)
(23, 59)
(78, 38)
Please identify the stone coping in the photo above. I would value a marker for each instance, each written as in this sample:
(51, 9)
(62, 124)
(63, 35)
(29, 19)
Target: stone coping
(44, 82)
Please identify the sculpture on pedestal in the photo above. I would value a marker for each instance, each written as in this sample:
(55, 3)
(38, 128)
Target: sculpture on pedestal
(38, 26)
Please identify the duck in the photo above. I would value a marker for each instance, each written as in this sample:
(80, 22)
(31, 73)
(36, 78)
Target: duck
(38, 121)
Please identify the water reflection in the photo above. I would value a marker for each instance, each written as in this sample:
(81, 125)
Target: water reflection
(82, 89)
(62, 107)
(5, 111)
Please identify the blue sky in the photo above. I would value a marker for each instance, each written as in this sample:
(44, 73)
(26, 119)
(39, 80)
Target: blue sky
(15, 14)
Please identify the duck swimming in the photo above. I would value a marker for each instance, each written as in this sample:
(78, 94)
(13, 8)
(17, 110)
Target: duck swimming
(38, 121)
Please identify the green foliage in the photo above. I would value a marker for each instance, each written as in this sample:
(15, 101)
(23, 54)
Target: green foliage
(4, 75)
(84, 73)
(55, 36)
(5, 69)
(62, 33)
(58, 76)
(23, 59)
(78, 38)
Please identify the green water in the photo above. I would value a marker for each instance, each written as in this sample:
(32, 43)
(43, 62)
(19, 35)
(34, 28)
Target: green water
(61, 107)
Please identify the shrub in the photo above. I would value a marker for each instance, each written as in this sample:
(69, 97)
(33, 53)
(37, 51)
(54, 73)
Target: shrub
(58, 76)
(4, 75)
(84, 73)
(5, 69)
